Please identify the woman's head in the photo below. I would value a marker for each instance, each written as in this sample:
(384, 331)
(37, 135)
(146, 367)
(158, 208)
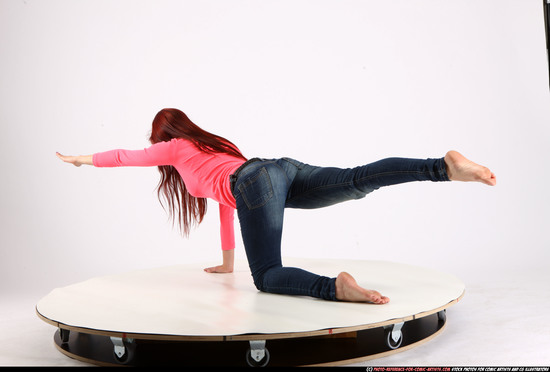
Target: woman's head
(182, 206)
(170, 123)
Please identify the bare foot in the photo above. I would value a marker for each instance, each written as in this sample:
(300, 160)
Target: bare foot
(461, 169)
(347, 289)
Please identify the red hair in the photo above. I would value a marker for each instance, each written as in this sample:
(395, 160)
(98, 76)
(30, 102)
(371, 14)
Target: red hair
(173, 123)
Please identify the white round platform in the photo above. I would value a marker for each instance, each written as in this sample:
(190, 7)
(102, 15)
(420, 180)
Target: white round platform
(182, 302)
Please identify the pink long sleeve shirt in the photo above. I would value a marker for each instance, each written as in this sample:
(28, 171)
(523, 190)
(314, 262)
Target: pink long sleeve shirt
(205, 175)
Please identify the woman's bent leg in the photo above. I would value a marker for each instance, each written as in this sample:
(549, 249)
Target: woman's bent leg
(260, 193)
(296, 281)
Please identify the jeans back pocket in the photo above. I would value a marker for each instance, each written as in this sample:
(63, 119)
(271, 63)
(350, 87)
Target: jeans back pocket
(257, 189)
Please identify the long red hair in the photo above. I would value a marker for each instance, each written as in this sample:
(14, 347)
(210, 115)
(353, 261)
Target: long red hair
(186, 209)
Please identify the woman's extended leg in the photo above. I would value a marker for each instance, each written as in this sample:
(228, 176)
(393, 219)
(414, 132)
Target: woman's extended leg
(317, 187)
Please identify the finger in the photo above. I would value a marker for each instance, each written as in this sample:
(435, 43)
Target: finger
(63, 157)
(68, 159)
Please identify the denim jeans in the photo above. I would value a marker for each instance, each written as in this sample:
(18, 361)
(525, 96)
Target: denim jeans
(263, 188)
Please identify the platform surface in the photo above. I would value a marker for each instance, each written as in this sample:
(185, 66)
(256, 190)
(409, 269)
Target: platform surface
(183, 300)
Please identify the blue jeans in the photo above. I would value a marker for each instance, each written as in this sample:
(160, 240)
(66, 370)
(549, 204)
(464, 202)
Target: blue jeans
(263, 188)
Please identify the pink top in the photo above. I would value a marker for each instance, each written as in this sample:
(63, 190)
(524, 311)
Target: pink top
(205, 175)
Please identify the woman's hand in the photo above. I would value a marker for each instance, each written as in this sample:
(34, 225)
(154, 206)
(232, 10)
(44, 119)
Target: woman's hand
(227, 266)
(221, 269)
(77, 161)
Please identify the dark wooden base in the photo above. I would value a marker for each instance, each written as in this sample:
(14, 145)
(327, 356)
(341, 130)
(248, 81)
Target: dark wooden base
(334, 349)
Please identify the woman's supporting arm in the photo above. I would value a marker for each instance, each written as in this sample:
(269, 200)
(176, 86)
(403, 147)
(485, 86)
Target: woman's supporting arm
(227, 266)
(227, 239)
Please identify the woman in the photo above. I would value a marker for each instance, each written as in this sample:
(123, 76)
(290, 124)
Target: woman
(196, 165)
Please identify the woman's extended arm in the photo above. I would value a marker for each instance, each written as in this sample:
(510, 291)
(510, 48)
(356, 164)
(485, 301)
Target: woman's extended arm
(77, 161)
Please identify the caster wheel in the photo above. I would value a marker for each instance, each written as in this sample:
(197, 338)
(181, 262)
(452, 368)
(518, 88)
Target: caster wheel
(390, 342)
(257, 363)
(124, 354)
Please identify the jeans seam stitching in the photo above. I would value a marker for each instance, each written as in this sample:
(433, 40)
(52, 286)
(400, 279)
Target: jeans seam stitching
(360, 179)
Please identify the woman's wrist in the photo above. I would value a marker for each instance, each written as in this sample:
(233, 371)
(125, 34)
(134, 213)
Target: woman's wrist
(86, 159)
(228, 259)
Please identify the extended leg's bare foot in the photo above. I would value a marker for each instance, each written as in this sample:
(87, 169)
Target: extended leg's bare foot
(461, 169)
(347, 289)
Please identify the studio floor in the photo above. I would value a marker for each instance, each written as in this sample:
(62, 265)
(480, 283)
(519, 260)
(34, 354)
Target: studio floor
(501, 321)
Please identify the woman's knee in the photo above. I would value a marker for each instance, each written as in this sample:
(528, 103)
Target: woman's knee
(258, 280)
(262, 278)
